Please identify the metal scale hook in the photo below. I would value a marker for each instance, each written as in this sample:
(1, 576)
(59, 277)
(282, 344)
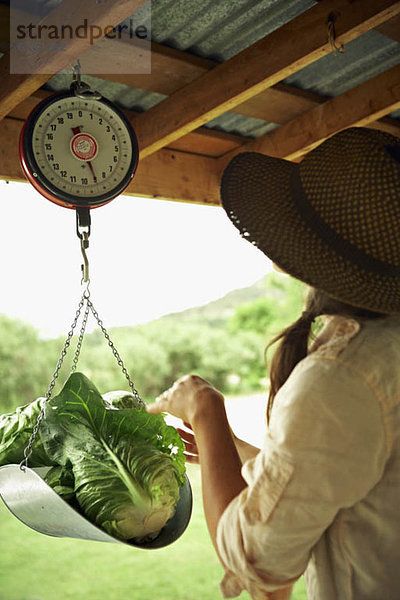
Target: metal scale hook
(83, 231)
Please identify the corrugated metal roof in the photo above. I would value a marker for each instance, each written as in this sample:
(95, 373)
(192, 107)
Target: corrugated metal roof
(220, 29)
(362, 59)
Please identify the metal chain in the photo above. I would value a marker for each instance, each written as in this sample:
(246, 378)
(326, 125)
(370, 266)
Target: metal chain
(28, 449)
(115, 352)
(89, 306)
(82, 332)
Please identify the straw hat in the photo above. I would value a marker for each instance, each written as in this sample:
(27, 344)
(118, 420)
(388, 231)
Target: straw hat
(332, 221)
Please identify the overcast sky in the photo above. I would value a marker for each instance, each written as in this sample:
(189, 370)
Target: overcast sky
(147, 258)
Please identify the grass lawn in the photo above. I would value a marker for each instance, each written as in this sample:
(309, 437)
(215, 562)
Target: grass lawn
(37, 567)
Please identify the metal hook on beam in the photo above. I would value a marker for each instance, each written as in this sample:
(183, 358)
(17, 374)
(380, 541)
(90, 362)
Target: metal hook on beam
(332, 18)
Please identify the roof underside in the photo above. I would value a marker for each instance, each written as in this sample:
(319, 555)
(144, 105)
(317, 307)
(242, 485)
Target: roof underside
(191, 40)
(218, 30)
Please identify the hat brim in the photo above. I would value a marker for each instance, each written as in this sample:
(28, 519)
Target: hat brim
(256, 194)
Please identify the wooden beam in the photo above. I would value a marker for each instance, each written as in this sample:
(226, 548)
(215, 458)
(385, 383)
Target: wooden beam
(168, 175)
(279, 104)
(208, 142)
(358, 107)
(170, 69)
(177, 176)
(290, 48)
(16, 87)
(10, 168)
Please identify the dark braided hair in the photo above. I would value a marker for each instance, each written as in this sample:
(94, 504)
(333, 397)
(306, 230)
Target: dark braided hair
(294, 340)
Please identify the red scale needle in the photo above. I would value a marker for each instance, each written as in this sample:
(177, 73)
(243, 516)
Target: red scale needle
(91, 170)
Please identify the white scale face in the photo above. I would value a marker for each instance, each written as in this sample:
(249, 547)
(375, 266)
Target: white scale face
(82, 147)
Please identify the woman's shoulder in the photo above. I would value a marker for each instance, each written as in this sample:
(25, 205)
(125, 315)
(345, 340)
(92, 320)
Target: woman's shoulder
(368, 348)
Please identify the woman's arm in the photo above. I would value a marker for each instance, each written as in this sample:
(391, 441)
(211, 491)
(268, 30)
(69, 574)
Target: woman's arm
(196, 402)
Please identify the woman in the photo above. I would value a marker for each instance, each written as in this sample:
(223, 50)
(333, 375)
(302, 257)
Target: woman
(323, 495)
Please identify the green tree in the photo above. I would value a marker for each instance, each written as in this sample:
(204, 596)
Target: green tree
(256, 316)
(24, 364)
(283, 302)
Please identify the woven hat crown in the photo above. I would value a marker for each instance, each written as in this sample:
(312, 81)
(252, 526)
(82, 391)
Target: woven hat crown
(333, 221)
(353, 187)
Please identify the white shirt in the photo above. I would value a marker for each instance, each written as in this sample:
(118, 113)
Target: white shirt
(323, 494)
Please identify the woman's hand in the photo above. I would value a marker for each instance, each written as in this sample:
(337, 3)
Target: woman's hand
(188, 397)
(191, 451)
(245, 450)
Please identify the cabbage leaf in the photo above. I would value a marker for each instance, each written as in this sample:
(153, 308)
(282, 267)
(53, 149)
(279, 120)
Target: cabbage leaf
(15, 432)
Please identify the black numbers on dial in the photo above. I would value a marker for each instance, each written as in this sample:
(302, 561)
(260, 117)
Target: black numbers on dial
(56, 151)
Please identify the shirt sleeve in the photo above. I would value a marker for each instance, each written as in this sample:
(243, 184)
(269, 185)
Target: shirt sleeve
(325, 449)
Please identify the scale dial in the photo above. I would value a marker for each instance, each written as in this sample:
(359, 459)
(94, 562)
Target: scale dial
(78, 152)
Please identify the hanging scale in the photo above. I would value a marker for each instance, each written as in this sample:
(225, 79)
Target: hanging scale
(79, 151)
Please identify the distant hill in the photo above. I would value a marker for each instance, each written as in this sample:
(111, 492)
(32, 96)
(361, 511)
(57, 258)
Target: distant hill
(283, 290)
(220, 310)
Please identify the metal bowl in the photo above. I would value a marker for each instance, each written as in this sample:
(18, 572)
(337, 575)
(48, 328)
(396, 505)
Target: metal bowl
(38, 506)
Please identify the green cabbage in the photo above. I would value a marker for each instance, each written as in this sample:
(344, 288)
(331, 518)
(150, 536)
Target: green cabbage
(123, 466)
